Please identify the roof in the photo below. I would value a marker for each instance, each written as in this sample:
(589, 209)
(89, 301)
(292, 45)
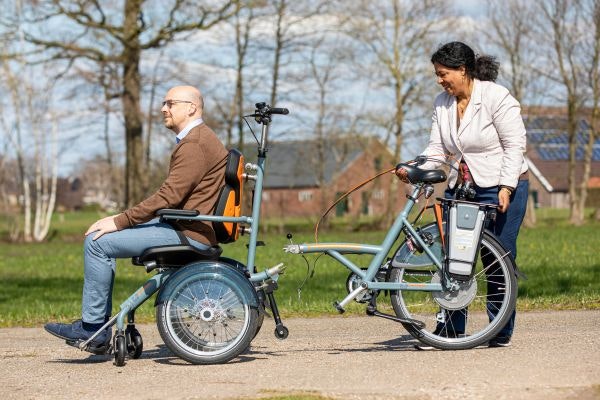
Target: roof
(548, 150)
(548, 135)
(296, 164)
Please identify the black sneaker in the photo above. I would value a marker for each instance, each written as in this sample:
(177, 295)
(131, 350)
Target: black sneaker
(500, 341)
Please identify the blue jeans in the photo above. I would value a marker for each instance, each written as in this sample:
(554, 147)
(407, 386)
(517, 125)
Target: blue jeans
(506, 229)
(100, 263)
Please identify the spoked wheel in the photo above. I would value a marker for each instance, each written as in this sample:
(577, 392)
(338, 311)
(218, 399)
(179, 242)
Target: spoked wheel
(205, 316)
(469, 315)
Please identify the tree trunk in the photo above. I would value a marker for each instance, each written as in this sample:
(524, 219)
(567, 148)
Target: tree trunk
(131, 105)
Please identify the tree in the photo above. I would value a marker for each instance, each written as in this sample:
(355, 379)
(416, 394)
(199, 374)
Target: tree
(36, 151)
(397, 34)
(591, 49)
(511, 33)
(562, 22)
(93, 32)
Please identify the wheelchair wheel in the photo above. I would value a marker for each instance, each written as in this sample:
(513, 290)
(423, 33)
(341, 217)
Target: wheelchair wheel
(466, 317)
(207, 314)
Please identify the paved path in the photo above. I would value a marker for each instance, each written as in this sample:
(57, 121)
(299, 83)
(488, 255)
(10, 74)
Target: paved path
(555, 355)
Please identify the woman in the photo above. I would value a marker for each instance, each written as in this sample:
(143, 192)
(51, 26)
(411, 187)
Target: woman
(477, 124)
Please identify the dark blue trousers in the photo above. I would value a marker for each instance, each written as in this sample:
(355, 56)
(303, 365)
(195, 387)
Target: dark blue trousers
(506, 229)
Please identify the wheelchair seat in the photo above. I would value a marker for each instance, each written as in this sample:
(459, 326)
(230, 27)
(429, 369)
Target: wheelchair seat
(175, 255)
(228, 204)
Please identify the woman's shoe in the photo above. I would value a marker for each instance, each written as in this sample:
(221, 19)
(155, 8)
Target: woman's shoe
(500, 341)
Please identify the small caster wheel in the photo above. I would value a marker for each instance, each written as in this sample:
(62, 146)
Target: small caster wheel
(135, 344)
(120, 350)
(281, 332)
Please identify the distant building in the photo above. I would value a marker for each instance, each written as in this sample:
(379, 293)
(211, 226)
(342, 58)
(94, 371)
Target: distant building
(548, 157)
(298, 184)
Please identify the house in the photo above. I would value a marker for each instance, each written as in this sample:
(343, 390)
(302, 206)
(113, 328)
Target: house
(303, 178)
(548, 158)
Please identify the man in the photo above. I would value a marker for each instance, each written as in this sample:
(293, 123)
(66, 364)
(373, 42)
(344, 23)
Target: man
(196, 174)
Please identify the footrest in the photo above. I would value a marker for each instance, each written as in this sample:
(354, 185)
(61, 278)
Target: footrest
(98, 350)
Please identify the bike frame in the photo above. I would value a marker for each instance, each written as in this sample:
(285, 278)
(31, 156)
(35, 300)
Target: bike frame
(337, 251)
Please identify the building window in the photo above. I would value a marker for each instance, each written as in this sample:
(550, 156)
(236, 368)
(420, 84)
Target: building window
(378, 163)
(305, 195)
(378, 194)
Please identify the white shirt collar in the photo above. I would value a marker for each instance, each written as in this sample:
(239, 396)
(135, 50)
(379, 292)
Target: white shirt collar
(187, 129)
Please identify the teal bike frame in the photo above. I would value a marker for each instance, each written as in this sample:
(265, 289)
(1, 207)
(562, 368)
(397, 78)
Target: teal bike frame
(368, 282)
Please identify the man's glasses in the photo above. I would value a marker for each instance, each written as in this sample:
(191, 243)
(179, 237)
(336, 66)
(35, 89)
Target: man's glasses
(169, 103)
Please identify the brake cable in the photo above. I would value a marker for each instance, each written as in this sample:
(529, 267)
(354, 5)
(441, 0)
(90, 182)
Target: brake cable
(419, 160)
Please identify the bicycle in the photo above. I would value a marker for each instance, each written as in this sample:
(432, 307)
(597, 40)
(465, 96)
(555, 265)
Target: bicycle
(208, 307)
(441, 271)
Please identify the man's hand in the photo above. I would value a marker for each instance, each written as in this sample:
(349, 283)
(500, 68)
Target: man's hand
(104, 225)
(503, 199)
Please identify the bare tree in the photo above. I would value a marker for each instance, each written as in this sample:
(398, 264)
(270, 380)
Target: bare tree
(98, 33)
(290, 34)
(562, 22)
(35, 150)
(512, 33)
(591, 18)
(397, 34)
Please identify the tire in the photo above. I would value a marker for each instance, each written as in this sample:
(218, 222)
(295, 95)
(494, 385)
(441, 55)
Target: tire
(135, 344)
(204, 315)
(473, 298)
(262, 297)
(120, 350)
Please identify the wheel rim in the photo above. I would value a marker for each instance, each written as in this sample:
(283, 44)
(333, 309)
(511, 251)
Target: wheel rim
(481, 323)
(206, 316)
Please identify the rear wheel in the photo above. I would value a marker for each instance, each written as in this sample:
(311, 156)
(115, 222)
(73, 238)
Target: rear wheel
(205, 316)
(469, 315)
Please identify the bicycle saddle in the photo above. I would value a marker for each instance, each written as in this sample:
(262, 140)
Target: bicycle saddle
(418, 175)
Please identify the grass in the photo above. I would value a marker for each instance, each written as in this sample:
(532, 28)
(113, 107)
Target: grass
(43, 281)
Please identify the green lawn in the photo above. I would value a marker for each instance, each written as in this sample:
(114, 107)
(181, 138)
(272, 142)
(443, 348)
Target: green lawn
(42, 282)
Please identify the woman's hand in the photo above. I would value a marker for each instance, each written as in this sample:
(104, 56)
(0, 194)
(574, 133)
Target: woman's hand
(504, 199)
(104, 225)
(402, 174)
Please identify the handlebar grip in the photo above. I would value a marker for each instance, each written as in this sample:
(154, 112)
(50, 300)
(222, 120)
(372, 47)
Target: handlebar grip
(282, 111)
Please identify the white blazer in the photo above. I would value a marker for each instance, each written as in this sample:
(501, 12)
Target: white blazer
(491, 137)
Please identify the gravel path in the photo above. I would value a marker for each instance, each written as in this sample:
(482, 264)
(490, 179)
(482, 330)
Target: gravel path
(555, 355)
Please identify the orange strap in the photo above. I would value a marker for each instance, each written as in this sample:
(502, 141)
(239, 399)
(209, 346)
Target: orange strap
(437, 209)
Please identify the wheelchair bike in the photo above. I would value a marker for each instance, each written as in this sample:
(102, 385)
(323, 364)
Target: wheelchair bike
(208, 307)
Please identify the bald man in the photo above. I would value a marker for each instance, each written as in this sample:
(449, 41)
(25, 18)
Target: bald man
(196, 174)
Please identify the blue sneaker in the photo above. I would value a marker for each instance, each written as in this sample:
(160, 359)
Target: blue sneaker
(78, 332)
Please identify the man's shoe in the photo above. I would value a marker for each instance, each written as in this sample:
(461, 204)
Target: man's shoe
(78, 332)
(500, 341)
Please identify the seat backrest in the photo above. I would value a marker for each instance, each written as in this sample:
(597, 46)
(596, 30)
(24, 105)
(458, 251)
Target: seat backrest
(229, 202)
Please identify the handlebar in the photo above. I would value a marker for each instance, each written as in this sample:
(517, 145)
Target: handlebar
(263, 113)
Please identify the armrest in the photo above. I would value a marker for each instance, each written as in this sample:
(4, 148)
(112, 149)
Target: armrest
(171, 212)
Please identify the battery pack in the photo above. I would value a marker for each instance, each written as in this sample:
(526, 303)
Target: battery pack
(465, 225)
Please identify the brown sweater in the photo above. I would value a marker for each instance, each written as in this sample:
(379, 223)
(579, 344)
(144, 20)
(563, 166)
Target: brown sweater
(196, 174)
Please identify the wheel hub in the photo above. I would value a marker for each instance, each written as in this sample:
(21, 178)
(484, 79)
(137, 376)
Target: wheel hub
(455, 299)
